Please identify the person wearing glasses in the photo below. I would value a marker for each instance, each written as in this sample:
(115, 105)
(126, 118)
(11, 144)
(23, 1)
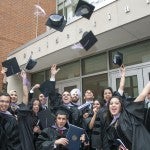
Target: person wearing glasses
(8, 124)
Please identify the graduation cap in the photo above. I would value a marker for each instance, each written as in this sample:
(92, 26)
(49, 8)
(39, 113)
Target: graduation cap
(57, 22)
(31, 63)
(12, 66)
(45, 88)
(46, 118)
(84, 9)
(88, 40)
(118, 59)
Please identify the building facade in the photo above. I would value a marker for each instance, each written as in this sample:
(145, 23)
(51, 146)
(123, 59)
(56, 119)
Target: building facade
(117, 24)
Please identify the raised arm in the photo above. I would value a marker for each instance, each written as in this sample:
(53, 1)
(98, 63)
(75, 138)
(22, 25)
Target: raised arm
(144, 93)
(91, 124)
(53, 72)
(4, 85)
(54, 97)
(31, 93)
(25, 83)
(122, 79)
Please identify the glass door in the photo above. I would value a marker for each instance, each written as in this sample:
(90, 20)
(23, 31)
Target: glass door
(67, 85)
(133, 82)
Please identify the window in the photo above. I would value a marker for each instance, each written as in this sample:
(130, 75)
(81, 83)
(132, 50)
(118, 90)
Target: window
(37, 78)
(133, 54)
(68, 71)
(66, 8)
(131, 86)
(95, 83)
(94, 64)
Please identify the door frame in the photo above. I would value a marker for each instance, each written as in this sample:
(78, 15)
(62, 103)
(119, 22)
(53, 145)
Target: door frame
(65, 83)
(130, 71)
(146, 72)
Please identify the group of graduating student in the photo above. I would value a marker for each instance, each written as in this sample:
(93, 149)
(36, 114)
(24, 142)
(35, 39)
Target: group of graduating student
(113, 123)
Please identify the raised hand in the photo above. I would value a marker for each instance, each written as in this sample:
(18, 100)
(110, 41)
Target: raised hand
(123, 70)
(4, 70)
(54, 69)
(36, 86)
(23, 74)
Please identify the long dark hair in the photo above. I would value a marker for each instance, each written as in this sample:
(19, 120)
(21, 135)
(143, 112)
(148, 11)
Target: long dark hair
(109, 117)
(31, 104)
(102, 94)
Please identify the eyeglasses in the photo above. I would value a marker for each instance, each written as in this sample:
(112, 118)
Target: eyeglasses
(3, 101)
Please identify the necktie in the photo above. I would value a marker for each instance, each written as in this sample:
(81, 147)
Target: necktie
(61, 132)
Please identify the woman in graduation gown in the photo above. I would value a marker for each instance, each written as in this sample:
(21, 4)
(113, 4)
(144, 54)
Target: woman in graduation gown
(124, 126)
(89, 122)
(98, 129)
(29, 125)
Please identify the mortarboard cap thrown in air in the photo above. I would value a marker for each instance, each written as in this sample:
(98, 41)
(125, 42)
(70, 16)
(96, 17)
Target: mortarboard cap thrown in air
(45, 88)
(57, 22)
(88, 40)
(30, 64)
(12, 66)
(84, 9)
(118, 59)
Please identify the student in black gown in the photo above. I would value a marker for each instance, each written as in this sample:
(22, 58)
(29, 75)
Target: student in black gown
(29, 125)
(125, 122)
(13, 94)
(89, 122)
(54, 137)
(147, 113)
(107, 93)
(9, 132)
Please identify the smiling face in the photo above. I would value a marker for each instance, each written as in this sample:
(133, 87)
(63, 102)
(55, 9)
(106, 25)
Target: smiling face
(107, 95)
(75, 97)
(42, 99)
(88, 96)
(114, 106)
(4, 103)
(14, 96)
(36, 106)
(66, 97)
(96, 104)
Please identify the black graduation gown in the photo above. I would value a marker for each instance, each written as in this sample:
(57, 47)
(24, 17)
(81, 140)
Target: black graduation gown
(85, 125)
(25, 122)
(3, 137)
(147, 117)
(131, 124)
(76, 116)
(9, 127)
(52, 95)
(98, 133)
(47, 137)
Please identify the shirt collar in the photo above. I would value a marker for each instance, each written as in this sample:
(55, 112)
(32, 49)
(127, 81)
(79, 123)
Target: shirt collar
(57, 128)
